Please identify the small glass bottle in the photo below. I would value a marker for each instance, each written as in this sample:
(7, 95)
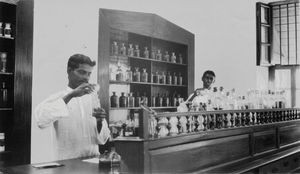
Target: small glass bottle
(137, 51)
(166, 57)
(1, 29)
(158, 55)
(146, 53)
(3, 95)
(120, 74)
(153, 54)
(137, 100)
(114, 48)
(7, 30)
(173, 58)
(169, 78)
(114, 100)
(130, 50)
(163, 78)
(129, 75)
(3, 59)
(136, 75)
(123, 50)
(179, 79)
(174, 79)
(123, 100)
(145, 99)
(144, 76)
(180, 59)
(130, 100)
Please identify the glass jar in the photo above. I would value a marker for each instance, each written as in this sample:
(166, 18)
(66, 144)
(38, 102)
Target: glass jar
(166, 57)
(136, 75)
(130, 100)
(173, 58)
(114, 100)
(7, 30)
(123, 100)
(156, 78)
(123, 50)
(137, 51)
(130, 50)
(119, 75)
(153, 54)
(144, 76)
(169, 78)
(146, 53)
(163, 78)
(3, 59)
(158, 55)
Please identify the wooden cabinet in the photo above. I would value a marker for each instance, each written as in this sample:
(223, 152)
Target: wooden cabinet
(16, 36)
(158, 54)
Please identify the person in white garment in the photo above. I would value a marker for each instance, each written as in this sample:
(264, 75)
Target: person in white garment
(200, 95)
(75, 113)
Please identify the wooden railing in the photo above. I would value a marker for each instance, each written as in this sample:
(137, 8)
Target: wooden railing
(158, 125)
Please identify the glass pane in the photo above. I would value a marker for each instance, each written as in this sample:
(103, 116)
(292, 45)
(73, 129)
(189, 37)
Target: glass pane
(264, 55)
(283, 82)
(264, 34)
(264, 15)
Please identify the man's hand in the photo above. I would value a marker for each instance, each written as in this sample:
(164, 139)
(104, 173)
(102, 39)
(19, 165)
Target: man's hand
(83, 89)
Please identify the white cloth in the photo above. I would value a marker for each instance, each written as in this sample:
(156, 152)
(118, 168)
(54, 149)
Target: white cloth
(75, 128)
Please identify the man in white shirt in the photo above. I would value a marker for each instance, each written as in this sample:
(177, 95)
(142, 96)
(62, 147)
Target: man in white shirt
(74, 113)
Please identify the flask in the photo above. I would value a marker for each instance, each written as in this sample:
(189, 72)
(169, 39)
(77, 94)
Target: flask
(166, 57)
(146, 53)
(1, 29)
(130, 100)
(123, 100)
(144, 76)
(129, 75)
(130, 50)
(174, 79)
(158, 55)
(114, 100)
(173, 58)
(180, 59)
(169, 78)
(163, 78)
(7, 30)
(123, 50)
(3, 59)
(3, 95)
(137, 51)
(145, 100)
(137, 100)
(179, 79)
(119, 75)
(136, 75)
(114, 48)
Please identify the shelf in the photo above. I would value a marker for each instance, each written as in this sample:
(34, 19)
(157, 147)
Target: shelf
(6, 109)
(148, 59)
(143, 83)
(6, 73)
(132, 108)
(9, 38)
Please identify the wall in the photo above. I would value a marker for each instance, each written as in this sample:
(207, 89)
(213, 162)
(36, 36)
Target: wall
(224, 42)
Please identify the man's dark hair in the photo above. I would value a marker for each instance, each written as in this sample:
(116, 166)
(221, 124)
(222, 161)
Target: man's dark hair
(77, 59)
(209, 72)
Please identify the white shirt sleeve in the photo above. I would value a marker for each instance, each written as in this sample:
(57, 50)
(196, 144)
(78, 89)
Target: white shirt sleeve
(50, 110)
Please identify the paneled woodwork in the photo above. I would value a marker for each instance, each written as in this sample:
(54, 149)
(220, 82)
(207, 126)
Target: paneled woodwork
(264, 141)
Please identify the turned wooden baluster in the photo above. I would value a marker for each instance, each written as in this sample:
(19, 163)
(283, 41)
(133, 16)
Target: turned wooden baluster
(231, 120)
(265, 117)
(200, 120)
(257, 117)
(218, 121)
(204, 122)
(237, 120)
(248, 120)
(212, 122)
(243, 119)
(225, 121)
(252, 118)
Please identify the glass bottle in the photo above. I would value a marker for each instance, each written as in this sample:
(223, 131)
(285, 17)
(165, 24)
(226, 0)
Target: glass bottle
(7, 30)
(119, 75)
(146, 53)
(114, 100)
(174, 79)
(173, 58)
(130, 100)
(114, 48)
(115, 161)
(163, 78)
(136, 75)
(137, 51)
(144, 76)
(123, 50)
(153, 55)
(123, 100)
(3, 95)
(156, 78)
(1, 29)
(174, 100)
(145, 99)
(152, 76)
(166, 57)
(158, 55)
(130, 50)
(3, 59)
(179, 79)
(129, 74)
(137, 100)
(159, 101)
(153, 101)
(165, 100)
(169, 78)
(180, 59)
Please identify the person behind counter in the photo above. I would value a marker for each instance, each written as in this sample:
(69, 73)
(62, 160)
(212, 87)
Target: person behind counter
(75, 113)
(200, 95)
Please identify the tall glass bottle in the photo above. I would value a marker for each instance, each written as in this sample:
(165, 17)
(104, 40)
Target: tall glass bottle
(146, 52)
(159, 101)
(123, 49)
(169, 78)
(156, 77)
(114, 100)
(145, 99)
(158, 55)
(123, 100)
(138, 100)
(114, 48)
(166, 57)
(130, 50)
(173, 58)
(120, 74)
(179, 79)
(129, 75)
(137, 51)
(130, 100)
(3, 60)
(3, 95)
(180, 59)
(174, 79)
(153, 101)
(163, 78)
(144, 76)
(153, 54)
(166, 101)
(136, 75)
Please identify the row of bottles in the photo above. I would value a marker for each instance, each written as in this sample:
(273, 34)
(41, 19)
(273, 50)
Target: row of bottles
(143, 76)
(135, 101)
(134, 51)
(3, 62)
(6, 30)
(3, 95)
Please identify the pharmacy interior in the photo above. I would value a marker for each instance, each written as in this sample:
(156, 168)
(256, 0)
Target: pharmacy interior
(147, 66)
